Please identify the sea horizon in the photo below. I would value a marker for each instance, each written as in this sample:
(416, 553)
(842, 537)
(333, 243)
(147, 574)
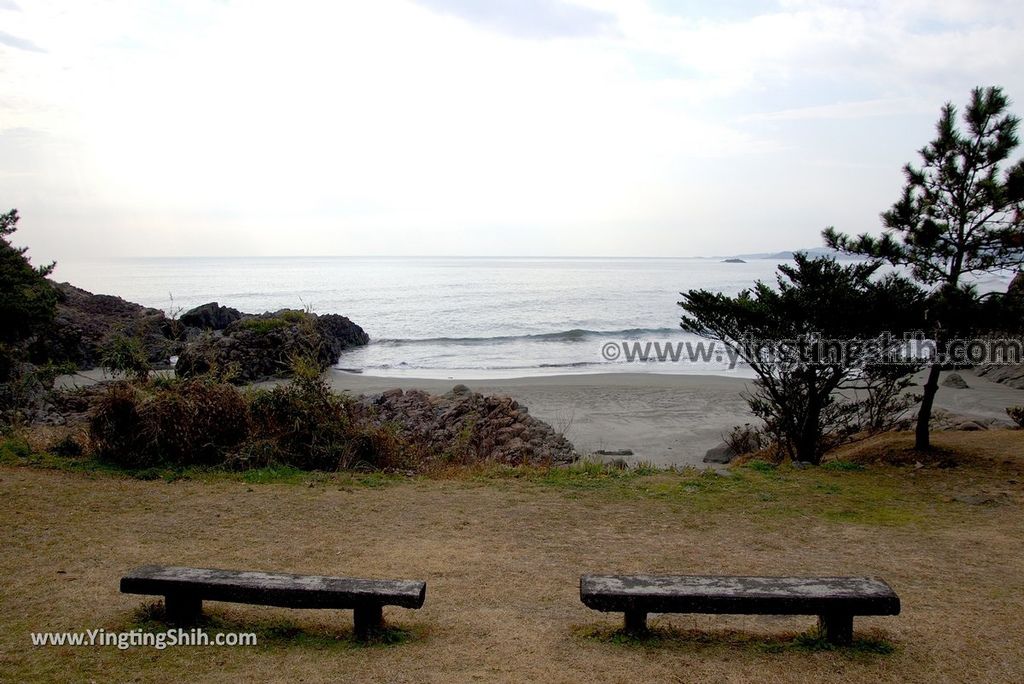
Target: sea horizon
(456, 317)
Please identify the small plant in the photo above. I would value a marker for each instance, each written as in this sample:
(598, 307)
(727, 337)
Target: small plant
(124, 356)
(746, 439)
(762, 466)
(1016, 414)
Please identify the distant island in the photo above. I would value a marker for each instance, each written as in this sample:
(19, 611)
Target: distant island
(788, 255)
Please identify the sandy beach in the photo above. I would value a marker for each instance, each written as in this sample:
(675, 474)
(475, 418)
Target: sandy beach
(663, 419)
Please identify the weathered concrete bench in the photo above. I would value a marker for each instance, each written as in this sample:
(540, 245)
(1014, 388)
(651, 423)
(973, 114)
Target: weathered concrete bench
(835, 600)
(185, 589)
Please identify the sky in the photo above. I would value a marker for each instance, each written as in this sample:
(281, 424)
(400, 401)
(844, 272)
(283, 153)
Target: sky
(453, 127)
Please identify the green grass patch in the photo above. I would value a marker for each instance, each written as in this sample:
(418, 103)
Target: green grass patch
(761, 492)
(262, 326)
(843, 466)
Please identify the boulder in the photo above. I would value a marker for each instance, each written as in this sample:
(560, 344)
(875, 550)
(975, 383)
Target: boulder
(463, 426)
(340, 333)
(211, 316)
(722, 453)
(955, 381)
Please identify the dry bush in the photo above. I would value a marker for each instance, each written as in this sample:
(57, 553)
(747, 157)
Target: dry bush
(174, 423)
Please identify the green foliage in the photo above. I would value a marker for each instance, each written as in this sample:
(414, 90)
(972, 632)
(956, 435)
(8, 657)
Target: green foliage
(125, 357)
(958, 213)
(777, 331)
(1016, 414)
(843, 466)
(300, 424)
(27, 300)
(263, 326)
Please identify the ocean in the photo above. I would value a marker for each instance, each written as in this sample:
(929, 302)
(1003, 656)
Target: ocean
(454, 317)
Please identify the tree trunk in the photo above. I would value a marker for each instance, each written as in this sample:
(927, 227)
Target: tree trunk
(807, 446)
(921, 441)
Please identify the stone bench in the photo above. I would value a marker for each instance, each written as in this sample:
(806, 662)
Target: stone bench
(835, 600)
(185, 589)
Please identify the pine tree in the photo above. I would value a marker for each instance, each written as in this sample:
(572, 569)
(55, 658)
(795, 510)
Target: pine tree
(784, 333)
(27, 300)
(959, 214)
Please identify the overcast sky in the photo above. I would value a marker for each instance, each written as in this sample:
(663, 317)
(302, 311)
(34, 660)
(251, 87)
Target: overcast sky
(508, 127)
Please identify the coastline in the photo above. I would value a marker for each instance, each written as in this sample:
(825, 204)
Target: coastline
(664, 419)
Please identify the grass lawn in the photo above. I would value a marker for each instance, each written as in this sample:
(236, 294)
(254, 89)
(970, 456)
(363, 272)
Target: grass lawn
(502, 550)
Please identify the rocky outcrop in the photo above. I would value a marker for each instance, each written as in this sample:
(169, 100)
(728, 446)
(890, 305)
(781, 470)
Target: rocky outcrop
(463, 426)
(211, 316)
(84, 322)
(266, 346)
(1012, 375)
(340, 333)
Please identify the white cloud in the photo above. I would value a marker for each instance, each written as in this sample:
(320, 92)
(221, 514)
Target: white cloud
(362, 127)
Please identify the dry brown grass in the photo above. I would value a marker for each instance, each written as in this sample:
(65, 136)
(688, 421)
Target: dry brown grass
(502, 559)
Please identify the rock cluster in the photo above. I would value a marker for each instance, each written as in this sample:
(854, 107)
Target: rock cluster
(207, 337)
(84, 322)
(466, 426)
(1011, 375)
(946, 420)
(260, 347)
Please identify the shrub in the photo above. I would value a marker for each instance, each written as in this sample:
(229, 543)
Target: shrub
(1016, 414)
(180, 424)
(746, 439)
(125, 357)
(301, 424)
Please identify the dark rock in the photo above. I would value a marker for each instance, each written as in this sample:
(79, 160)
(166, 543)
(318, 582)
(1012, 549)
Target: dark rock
(265, 346)
(340, 333)
(970, 426)
(733, 261)
(955, 381)
(85, 322)
(614, 452)
(722, 453)
(210, 316)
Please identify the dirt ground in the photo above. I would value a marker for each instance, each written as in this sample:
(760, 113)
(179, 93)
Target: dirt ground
(502, 555)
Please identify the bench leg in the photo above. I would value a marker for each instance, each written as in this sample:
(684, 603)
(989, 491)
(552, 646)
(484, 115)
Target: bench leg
(183, 609)
(636, 622)
(836, 628)
(368, 619)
